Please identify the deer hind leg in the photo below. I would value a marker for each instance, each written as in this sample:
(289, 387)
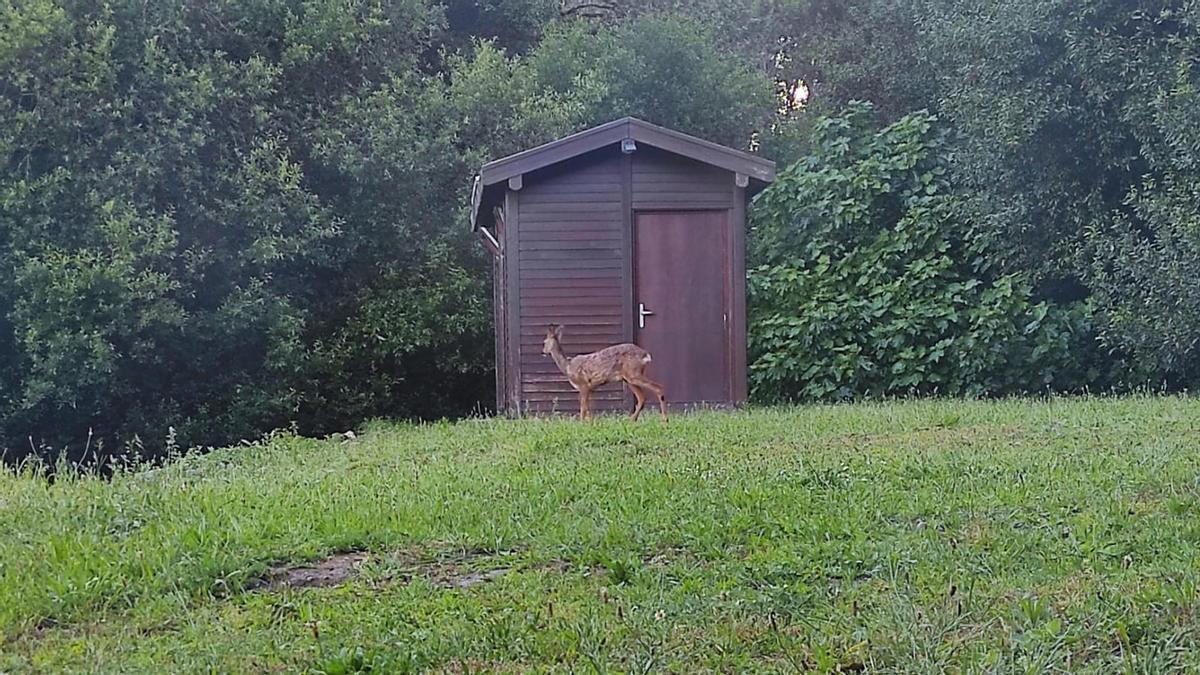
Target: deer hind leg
(646, 383)
(641, 400)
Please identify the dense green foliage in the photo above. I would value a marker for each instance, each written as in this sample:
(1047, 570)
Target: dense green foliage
(932, 536)
(1071, 162)
(216, 220)
(869, 284)
(1074, 145)
(224, 218)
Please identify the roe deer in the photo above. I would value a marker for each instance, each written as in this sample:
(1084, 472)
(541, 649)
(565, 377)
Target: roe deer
(619, 363)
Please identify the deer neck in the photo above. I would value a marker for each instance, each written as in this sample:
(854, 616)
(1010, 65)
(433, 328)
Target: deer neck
(560, 359)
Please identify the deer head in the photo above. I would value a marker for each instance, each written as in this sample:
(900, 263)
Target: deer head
(553, 336)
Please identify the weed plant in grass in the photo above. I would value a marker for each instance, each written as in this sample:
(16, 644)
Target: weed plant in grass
(910, 536)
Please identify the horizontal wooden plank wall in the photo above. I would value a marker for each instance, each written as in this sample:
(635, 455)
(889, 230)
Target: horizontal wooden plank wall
(571, 261)
(665, 181)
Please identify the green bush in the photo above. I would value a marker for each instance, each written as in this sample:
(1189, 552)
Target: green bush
(1144, 272)
(221, 219)
(867, 284)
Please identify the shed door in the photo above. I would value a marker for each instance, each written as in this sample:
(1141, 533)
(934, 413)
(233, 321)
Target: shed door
(681, 269)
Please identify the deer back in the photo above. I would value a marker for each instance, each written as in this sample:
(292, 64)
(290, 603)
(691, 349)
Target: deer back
(609, 364)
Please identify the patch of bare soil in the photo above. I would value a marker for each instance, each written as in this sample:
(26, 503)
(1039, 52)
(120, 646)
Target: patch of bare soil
(334, 570)
(460, 572)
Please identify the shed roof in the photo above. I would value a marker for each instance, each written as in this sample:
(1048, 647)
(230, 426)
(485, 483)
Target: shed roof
(489, 189)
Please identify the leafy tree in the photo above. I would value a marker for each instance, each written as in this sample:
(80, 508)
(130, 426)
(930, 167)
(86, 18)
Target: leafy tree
(662, 69)
(514, 25)
(866, 284)
(1073, 138)
(179, 227)
(225, 218)
(1142, 260)
(228, 218)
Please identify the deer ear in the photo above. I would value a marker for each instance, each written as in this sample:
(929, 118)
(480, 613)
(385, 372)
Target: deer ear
(558, 332)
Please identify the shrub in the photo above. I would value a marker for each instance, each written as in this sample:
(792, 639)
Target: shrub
(867, 283)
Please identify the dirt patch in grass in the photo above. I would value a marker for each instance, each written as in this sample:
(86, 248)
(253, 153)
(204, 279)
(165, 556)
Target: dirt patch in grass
(332, 571)
(456, 572)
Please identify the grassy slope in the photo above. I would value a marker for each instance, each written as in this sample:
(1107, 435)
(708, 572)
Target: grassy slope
(907, 535)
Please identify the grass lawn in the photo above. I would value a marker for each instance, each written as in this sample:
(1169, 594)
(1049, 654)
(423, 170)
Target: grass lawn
(925, 536)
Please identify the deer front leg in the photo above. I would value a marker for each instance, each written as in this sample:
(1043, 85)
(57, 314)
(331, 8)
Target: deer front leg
(585, 409)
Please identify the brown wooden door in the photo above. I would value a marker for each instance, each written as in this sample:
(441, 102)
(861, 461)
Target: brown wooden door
(680, 274)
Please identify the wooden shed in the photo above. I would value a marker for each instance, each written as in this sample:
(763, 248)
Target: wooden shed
(627, 232)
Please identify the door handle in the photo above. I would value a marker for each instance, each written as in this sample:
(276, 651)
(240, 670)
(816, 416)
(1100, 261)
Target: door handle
(642, 314)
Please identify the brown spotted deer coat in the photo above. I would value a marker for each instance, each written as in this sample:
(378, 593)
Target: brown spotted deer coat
(619, 363)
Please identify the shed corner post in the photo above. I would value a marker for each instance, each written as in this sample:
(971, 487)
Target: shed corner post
(501, 328)
(739, 369)
(513, 293)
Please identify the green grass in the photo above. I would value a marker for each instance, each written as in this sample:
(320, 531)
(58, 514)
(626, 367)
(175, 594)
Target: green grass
(927, 536)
